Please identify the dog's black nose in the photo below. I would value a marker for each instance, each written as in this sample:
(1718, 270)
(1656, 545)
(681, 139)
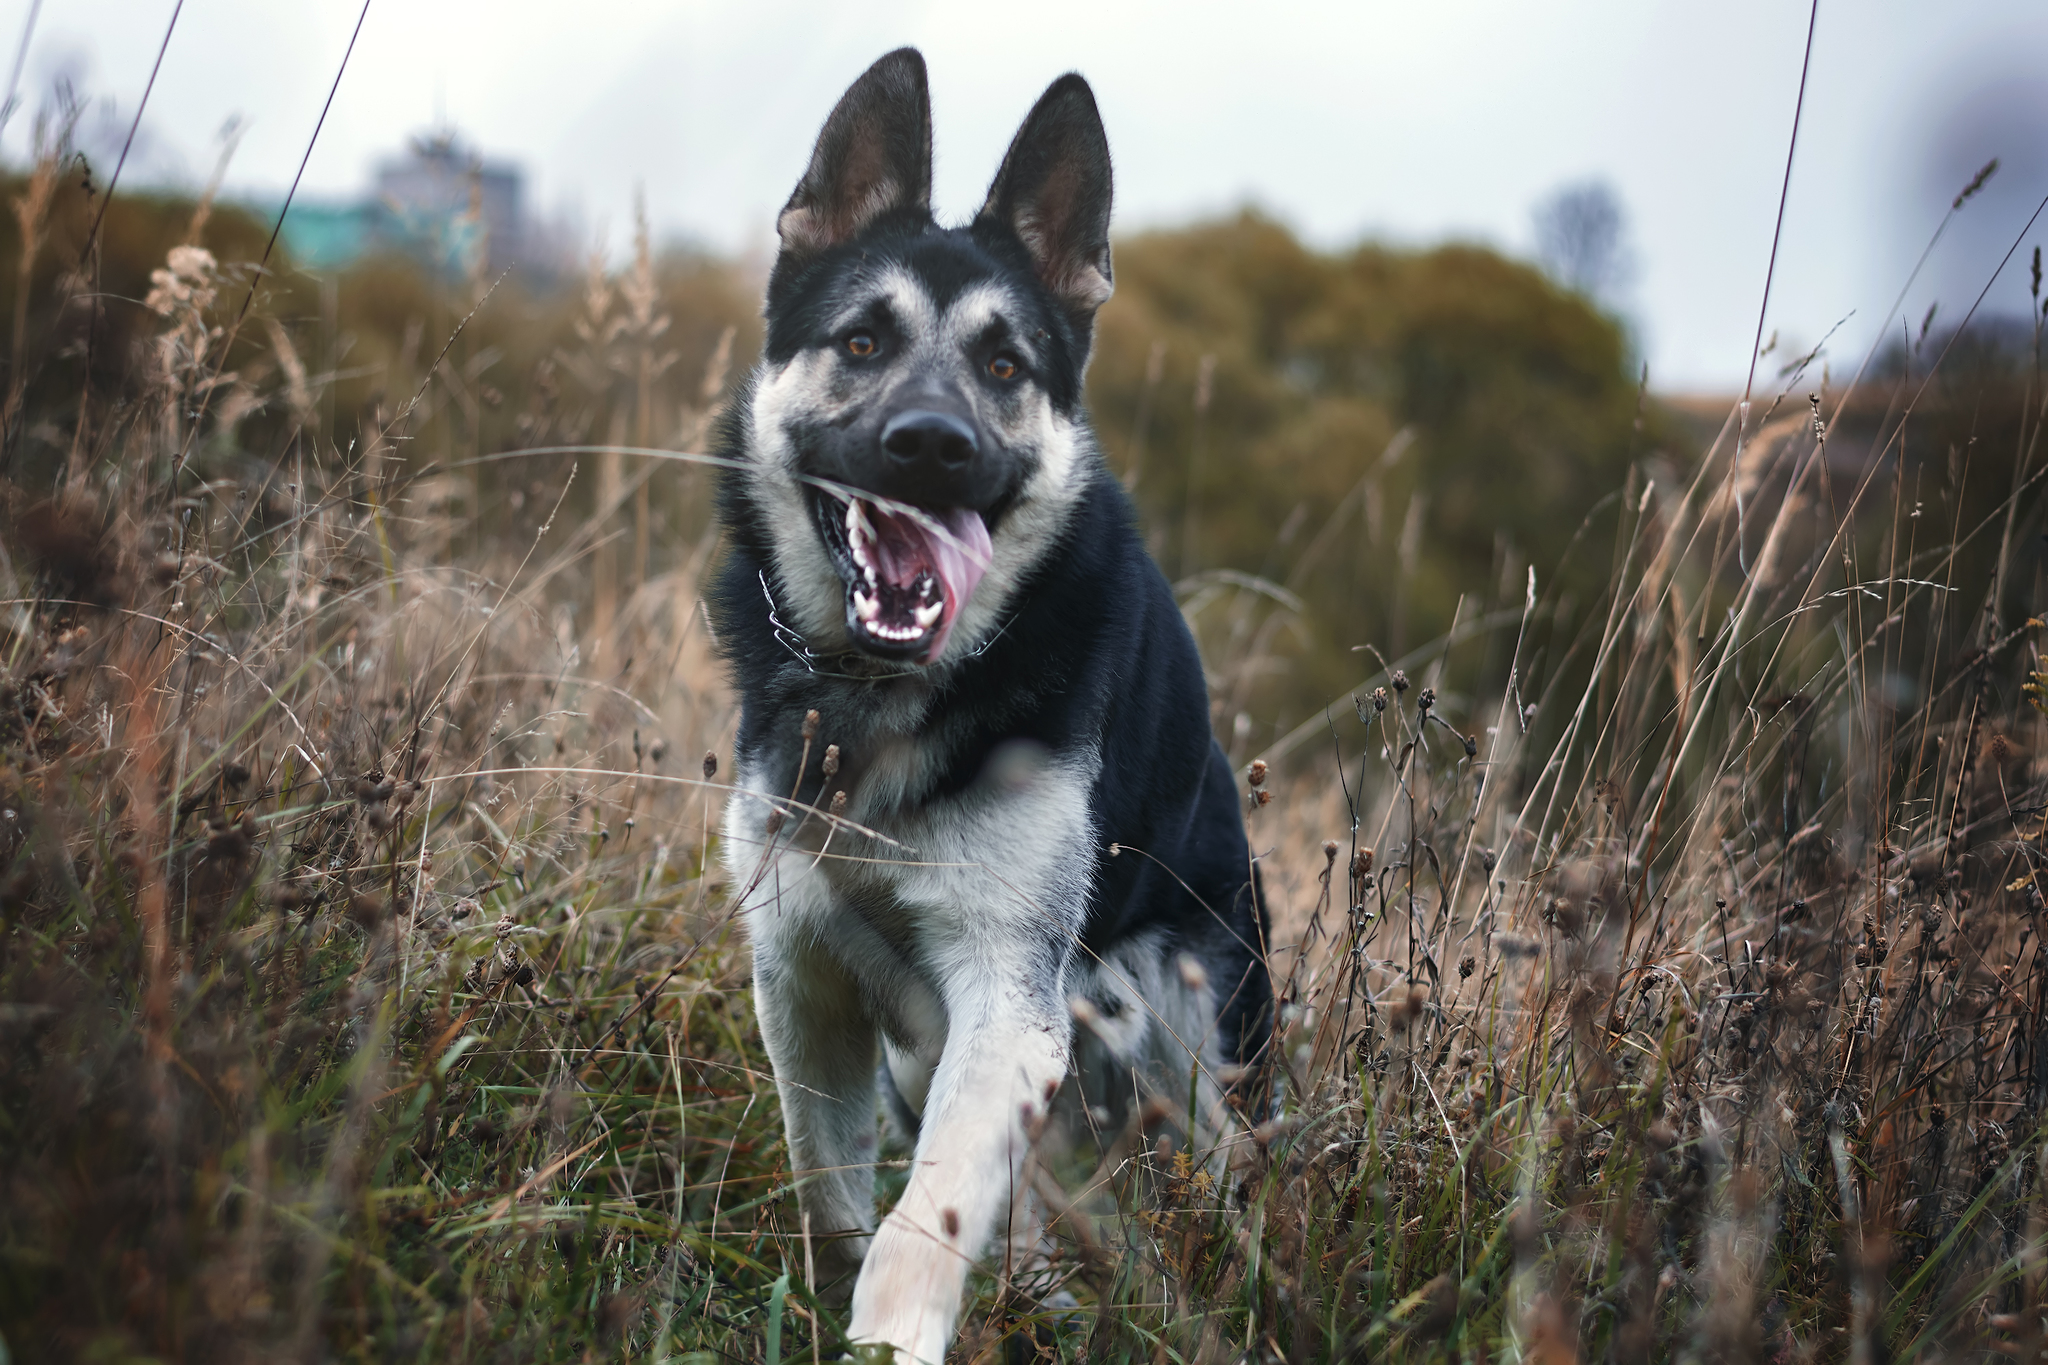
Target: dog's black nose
(923, 437)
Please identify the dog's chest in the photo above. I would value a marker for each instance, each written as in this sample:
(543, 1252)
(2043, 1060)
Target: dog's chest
(926, 876)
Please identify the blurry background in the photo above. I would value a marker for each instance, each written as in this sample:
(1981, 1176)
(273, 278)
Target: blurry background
(1390, 284)
(1341, 120)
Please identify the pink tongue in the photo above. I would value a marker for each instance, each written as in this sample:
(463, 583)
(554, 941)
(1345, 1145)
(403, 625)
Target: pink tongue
(904, 546)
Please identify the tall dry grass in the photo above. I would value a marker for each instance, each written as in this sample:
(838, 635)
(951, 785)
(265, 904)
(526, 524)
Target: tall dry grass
(368, 988)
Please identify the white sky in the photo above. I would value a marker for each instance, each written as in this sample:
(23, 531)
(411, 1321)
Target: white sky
(1412, 122)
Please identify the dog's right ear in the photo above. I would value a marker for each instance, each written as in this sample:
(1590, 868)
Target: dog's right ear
(1053, 191)
(874, 156)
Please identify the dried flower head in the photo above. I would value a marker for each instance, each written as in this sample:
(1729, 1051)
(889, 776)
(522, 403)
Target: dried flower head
(187, 283)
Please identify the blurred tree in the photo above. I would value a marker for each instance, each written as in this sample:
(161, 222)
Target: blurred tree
(521, 368)
(1374, 434)
(1582, 239)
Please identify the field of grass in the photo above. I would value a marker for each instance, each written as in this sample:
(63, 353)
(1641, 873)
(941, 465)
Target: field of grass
(369, 988)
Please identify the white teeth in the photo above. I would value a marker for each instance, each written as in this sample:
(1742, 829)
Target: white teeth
(924, 616)
(858, 534)
(883, 630)
(866, 607)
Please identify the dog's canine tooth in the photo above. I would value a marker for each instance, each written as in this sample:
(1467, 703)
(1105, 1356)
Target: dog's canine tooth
(925, 615)
(866, 607)
(858, 533)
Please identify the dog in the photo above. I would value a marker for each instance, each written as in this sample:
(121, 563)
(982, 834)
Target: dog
(983, 838)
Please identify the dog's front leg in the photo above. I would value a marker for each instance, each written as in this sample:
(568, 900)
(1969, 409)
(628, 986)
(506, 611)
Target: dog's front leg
(823, 1047)
(1006, 1051)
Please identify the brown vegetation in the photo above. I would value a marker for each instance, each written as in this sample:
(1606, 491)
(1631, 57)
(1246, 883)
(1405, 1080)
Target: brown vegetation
(1661, 977)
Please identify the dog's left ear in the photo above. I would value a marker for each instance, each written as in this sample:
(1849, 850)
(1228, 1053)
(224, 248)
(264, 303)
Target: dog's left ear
(1053, 192)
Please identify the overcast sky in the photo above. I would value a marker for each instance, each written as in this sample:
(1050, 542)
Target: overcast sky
(1410, 122)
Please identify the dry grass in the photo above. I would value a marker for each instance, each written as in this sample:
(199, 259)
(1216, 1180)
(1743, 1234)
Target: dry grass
(368, 990)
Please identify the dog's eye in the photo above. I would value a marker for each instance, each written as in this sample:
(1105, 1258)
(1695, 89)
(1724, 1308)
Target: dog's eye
(860, 344)
(1003, 367)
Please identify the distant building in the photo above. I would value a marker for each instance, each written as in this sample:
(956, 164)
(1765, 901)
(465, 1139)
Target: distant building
(447, 201)
(441, 203)
(325, 236)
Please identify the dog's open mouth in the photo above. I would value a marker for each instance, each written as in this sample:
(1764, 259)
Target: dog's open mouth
(909, 572)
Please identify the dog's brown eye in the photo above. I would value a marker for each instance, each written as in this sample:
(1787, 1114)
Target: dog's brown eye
(861, 344)
(1002, 367)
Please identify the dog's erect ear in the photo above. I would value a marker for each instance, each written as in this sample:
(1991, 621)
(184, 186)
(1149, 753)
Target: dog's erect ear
(874, 156)
(1053, 191)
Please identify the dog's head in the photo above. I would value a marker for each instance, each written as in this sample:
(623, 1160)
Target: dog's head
(914, 432)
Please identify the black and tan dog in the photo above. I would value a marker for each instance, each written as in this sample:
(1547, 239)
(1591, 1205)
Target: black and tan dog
(1008, 813)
